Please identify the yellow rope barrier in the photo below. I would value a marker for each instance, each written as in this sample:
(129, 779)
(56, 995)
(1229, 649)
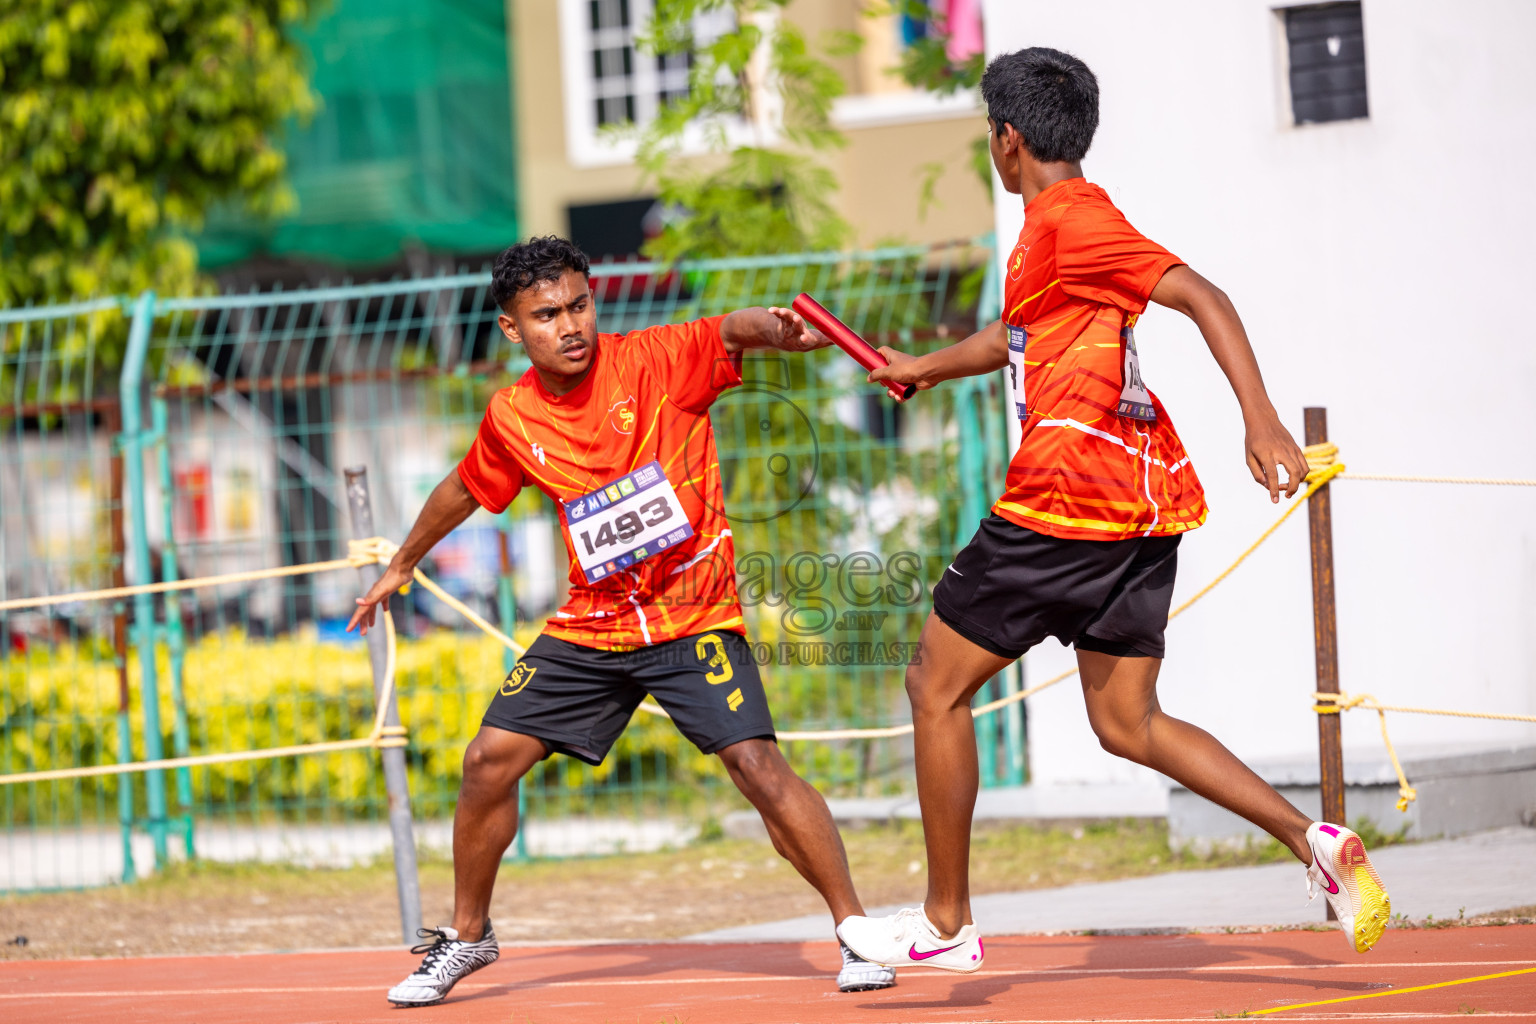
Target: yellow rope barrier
(902, 730)
(381, 550)
(1324, 455)
(380, 735)
(1345, 702)
(1322, 467)
(17, 604)
(1334, 703)
(1489, 480)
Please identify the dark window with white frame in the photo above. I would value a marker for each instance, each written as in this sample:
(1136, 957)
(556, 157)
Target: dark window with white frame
(1325, 44)
(628, 86)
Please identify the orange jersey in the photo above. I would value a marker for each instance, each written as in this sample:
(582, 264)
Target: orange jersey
(651, 558)
(1099, 458)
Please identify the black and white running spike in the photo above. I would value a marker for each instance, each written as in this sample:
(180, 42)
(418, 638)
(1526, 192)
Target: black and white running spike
(859, 975)
(448, 961)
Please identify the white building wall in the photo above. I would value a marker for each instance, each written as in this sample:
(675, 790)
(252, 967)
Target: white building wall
(1381, 267)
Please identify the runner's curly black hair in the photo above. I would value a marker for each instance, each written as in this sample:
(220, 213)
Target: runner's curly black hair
(539, 259)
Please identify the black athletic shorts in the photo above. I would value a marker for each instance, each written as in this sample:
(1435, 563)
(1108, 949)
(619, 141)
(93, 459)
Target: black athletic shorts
(1010, 588)
(579, 699)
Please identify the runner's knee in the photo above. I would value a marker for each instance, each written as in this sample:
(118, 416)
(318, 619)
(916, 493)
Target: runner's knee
(488, 763)
(1130, 740)
(928, 690)
(918, 688)
(758, 769)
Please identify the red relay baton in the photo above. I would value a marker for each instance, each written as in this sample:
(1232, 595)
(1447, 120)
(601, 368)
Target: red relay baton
(844, 338)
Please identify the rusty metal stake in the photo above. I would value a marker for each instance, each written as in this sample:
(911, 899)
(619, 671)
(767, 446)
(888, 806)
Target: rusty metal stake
(1325, 630)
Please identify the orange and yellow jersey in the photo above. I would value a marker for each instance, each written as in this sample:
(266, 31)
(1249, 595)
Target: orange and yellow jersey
(645, 400)
(1099, 458)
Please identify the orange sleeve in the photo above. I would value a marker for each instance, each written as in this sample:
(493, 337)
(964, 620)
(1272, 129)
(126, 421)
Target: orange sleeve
(1101, 258)
(690, 360)
(489, 469)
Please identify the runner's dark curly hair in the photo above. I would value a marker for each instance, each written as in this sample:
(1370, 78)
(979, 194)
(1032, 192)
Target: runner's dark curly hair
(539, 259)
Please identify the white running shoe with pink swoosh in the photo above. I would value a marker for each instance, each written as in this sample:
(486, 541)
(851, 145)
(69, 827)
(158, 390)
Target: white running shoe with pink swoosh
(908, 939)
(1342, 872)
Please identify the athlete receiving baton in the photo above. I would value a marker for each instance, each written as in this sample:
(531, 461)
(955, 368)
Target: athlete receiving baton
(1083, 543)
(615, 429)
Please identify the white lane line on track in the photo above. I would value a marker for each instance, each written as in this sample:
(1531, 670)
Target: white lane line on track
(751, 978)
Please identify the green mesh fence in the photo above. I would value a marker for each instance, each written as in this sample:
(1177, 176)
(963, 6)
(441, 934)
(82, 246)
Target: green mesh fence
(242, 411)
(64, 674)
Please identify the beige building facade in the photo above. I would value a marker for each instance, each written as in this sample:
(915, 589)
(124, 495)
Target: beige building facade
(895, 135)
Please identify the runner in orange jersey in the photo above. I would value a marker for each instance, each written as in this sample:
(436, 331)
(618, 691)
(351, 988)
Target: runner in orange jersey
(615, 430)
(1083, 543)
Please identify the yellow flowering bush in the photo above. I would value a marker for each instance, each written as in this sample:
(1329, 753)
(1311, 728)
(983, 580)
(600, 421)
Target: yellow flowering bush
(59, 709)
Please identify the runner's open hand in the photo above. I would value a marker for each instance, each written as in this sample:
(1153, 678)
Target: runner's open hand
(378, 595)
(794, 335)
(1270, 446)
(778, 328)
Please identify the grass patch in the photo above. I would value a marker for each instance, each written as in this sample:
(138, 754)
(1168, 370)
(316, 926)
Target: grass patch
(1374, 838)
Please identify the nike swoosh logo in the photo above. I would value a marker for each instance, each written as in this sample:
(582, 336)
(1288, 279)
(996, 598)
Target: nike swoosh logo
(1332, 886)
(957, 572)
(915, 955)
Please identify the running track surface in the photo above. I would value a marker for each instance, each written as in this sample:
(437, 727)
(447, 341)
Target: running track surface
(1153, 978)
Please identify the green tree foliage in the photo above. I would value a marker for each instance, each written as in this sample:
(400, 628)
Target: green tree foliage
(762, 78)
(122, 122)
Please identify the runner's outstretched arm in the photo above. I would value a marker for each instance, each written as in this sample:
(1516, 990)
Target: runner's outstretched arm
(982, 352)
(1268, 444)
(756, 327)
(449, 505)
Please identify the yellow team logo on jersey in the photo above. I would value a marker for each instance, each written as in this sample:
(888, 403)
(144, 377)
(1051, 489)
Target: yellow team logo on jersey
(517, 679)
(710, 650)
(1016, 263)
(621, 415)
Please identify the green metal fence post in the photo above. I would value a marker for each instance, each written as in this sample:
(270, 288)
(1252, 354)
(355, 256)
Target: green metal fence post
(995, 435)
(983, 464)
(131, 395)
(971, 465)
(175, 635)
(114, 417)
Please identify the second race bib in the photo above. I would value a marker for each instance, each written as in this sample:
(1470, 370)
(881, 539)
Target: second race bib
(1016, 336)
(626, 521)
(1135, 399)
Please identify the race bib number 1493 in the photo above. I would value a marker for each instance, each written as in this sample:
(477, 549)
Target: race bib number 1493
(625, 521)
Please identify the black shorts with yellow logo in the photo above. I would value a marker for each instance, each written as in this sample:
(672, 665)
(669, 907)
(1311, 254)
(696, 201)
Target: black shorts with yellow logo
(579, 699)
